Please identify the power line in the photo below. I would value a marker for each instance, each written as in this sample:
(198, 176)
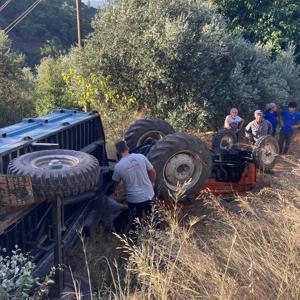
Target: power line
(22, 16)
(4, 5)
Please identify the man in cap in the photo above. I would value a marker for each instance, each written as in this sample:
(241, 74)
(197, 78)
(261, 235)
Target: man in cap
(258, 127)
(138, 176)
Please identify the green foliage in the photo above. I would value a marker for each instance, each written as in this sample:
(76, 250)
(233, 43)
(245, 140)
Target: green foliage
(188, 115)
(177, 59)
(16, 278)
(16, 85)
(51, 90)
(274, 23)
(52, 24)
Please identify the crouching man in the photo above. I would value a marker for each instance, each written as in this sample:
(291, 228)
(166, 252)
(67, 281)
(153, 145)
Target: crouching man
(138, 176)
(258, 127)
(115, 212)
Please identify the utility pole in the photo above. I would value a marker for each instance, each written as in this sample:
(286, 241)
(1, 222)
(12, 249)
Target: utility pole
(79, 31)
(78, 9)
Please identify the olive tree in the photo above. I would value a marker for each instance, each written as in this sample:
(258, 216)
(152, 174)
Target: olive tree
(177, 59)
(16, 84)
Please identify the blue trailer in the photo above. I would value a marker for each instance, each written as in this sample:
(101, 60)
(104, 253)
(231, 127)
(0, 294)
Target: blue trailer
(39, 227)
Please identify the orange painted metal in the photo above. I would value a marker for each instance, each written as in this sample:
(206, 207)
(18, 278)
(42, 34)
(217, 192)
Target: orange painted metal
(247, 182)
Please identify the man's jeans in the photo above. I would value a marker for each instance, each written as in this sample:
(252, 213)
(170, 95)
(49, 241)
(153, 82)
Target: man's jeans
(284, 142)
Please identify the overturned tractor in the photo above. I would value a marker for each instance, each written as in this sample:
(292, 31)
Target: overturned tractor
(55, 172)
(183, 159)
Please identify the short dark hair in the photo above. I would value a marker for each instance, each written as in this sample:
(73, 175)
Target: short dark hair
(292, 104)
(121, 146)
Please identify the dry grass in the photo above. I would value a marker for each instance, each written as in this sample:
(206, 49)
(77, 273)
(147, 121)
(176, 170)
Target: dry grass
(251, 253)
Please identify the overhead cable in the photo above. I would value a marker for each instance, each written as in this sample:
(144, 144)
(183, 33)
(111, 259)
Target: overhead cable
(22, 16)
(4, 4)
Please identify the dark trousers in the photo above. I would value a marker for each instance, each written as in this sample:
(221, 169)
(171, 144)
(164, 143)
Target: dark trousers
(145, 210)
(284, 142)
(121, 223)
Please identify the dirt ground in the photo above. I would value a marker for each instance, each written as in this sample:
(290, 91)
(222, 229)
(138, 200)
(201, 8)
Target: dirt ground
(103, 249)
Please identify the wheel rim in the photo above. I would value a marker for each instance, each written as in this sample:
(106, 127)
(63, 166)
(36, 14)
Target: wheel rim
(268, 154)
(153, 135)
(181, 168)
(54, 162)
(226, 142)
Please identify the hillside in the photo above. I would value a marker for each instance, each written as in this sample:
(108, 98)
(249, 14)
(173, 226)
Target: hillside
(51, 23)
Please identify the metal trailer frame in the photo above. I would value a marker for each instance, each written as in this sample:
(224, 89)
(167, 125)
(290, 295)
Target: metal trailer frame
(49, 230)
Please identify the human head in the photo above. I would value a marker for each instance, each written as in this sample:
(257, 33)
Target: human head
(122, 148)
(271, 107)
(258, 114)
(234, 112)
(292, 106)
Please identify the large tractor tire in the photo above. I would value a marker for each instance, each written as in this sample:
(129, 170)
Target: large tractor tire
(265, 153)
(224, 139)
(142, 131)
(180, 159)
(57, 172)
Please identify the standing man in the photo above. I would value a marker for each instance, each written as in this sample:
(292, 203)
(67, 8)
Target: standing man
(258, 127)
(288, 119)
(234, 121)
(138, 176)
(271, 116)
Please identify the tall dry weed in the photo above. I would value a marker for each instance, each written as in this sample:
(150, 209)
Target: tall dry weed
(251, 252)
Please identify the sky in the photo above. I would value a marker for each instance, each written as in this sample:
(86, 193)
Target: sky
(94, 3)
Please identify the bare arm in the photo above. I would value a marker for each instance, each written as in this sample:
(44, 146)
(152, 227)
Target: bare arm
(124, 207)
(241, 124)
(152, 176)
(226, 123)
(249, 134)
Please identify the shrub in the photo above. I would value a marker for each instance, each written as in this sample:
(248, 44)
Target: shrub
(168, 56)
(16, 85)
(50, 87)
(16, 278)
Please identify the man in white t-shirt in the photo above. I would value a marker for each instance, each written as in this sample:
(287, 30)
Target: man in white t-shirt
(233, 121)
(138, 176)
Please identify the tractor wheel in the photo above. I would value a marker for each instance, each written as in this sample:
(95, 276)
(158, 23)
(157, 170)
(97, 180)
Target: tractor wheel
(224, 139)
(146, 130)
(265, 153)
(180, 159)
(57, 172)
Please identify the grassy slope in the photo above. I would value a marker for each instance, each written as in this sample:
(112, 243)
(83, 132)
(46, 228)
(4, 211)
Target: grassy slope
(245, 249)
